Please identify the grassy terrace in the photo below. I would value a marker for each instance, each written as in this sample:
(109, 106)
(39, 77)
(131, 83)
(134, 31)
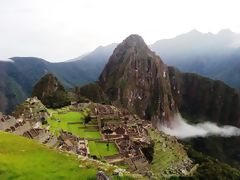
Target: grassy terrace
(60, 120)
(22, 158)
(100, 149)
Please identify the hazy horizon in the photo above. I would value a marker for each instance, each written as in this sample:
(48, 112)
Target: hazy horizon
(62, 30)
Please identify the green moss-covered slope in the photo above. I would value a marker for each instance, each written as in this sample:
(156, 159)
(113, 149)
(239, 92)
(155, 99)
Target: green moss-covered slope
(50, 91)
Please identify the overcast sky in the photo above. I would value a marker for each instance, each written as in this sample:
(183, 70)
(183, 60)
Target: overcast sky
(58, 30)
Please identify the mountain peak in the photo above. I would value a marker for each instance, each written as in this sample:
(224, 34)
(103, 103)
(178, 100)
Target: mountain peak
(134, 40)
(50, 91)
(134, 37)
(136, 79)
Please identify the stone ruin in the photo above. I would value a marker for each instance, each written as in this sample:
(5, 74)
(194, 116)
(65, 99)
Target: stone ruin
(127, 131)
(24, 128)
(33, 111)
(75, 106)
(69, 142)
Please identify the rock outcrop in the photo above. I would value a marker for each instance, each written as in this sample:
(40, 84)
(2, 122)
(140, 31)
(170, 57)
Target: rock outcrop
(137, 79)
(50, 91)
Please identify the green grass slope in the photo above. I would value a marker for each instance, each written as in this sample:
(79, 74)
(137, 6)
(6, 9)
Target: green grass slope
(21, 158)
(100, 149)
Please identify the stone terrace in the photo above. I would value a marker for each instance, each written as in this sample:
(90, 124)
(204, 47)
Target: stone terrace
(71, 143)
(127, 131)
(24, 128)
(32, 110)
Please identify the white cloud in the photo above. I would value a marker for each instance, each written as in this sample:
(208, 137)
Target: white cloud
(181, 129)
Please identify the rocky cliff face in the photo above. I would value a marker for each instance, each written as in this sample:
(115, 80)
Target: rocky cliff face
(200, 99)
(50, 91)
(137, 79)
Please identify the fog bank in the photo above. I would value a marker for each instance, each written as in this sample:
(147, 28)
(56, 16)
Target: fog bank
(181, 129)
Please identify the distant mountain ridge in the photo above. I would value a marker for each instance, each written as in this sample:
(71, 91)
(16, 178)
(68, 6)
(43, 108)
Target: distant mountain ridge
(19, 74)
(213, 55)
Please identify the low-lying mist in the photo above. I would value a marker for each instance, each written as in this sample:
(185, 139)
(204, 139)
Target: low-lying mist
(181, 129)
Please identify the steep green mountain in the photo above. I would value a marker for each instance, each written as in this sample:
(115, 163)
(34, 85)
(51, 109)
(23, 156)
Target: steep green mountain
(202, 99)
(213, 55)
(51, 92)
(137, 79)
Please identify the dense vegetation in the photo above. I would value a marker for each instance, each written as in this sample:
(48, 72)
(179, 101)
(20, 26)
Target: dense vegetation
(92, 92)
(210, 168)
(226, 149)
(51, 92)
